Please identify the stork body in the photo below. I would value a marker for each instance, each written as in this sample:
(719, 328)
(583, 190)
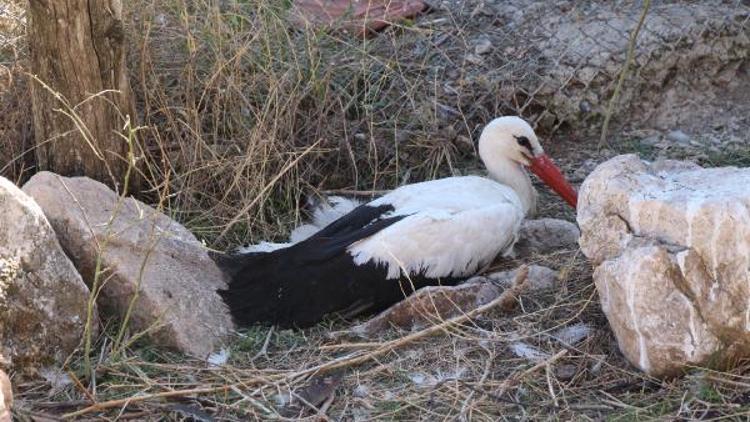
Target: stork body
(429, 233)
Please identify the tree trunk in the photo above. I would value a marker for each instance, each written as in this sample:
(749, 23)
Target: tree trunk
(77, 51)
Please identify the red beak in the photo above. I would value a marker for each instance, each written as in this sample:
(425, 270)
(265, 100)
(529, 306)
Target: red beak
(550, 174)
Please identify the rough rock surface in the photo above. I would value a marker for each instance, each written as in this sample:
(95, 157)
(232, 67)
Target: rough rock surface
(582, 49)
(568, 73)
(540, 277)
(671, 245)
(143, 251)
(6, 398)
(546, 235)
(433, 304)
(42, 297)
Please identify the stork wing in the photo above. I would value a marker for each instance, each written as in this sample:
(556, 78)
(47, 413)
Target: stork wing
(442, 243)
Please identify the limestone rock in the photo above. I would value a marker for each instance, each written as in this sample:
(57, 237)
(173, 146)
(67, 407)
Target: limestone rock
(539, 277)
(143, 252)
(671, 245)
(42, 297)
(546, 235)
(429, 305)
(678, 136)
(6, 398)
(433, 304)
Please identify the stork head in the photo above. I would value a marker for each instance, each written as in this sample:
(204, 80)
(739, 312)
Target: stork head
(510, 138)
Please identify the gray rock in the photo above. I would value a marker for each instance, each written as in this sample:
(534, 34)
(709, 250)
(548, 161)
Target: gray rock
(483, 46)
(589, 49)
(546, 235)
(43, 300)
(427, 305)
(679, 136)
(540, 277)
(436, 303)
(144, 252)
(6, 398)
(651, 141)
(670, 243)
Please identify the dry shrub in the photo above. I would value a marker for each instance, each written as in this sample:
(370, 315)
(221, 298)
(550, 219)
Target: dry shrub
(16, 129)
(246, 117)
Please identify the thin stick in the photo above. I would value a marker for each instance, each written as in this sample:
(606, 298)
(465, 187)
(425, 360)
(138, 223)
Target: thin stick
(513, 379)
(80, 387)
(465, 405)
(263, 350)
(623, 73)
(122, 402)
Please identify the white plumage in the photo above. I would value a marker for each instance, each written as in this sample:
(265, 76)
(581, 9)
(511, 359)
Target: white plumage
(328, 211)
(453, 227)
(325, 213)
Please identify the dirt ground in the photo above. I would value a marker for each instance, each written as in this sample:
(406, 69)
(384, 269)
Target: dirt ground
(421, 91)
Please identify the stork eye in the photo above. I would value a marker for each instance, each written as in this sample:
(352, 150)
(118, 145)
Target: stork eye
(524, 142)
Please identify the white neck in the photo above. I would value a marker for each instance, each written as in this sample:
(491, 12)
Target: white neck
(512, 174)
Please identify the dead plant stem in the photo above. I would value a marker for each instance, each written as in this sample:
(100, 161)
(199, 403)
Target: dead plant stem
(623, 73)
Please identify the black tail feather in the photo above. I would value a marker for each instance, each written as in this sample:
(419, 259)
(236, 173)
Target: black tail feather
(229, 264)
(300, 284)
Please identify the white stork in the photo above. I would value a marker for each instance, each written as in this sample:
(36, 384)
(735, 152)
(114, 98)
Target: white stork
(435, 232)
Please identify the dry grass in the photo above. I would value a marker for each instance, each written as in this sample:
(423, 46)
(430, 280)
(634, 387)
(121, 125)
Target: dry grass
(244, 119)
(248, 117)
(466, 372)
(16, 130)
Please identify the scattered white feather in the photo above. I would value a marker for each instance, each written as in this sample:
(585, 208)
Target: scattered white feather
(597, 367)
(569, 335)
(333, 208)
(282, 399)
(325, 213)
(527, 351)
(219, 358)
(420, 379)
(56, 378)
(361, 391)
(261, 247)
(572, 334)
(431, 380)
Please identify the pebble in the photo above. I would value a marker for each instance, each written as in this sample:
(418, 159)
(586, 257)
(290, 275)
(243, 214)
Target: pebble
(160, 19)
(484, 46)
(473, 59)
(584, 107)
(678, 136)
(651, 141)
(361, 391)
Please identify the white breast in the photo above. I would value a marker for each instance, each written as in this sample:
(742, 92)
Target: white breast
(453, 227)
